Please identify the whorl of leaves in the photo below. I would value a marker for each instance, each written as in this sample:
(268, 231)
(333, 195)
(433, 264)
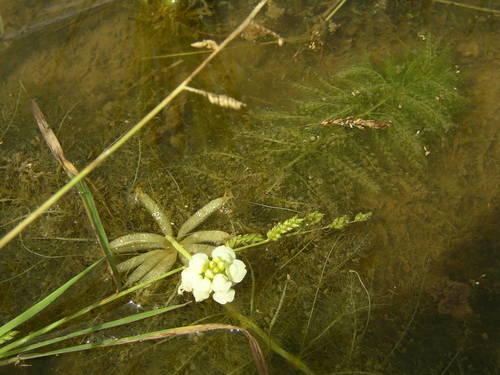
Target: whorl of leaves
(340, 222)
(285, 227)
(313, 218)
(343, 221)
(362, 216)
(245, 239)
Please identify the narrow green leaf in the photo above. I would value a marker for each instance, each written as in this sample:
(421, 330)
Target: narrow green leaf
(81, 312)
(115, 323)
(186, 330)
(36, 308)
(93, 214)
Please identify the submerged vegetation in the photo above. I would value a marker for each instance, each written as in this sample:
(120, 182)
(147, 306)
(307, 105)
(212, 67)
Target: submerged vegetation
(161, 253)
(369, 120)
(303, 290)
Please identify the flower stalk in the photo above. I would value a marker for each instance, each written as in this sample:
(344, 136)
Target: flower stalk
(178, 246)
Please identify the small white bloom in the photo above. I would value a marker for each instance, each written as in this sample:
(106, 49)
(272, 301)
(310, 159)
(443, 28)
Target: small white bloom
(224, 297)
(237, 271)
(204, 275)
(220, 283)
(224, 253)
(202, 290)
(188, 280)
(198, 262)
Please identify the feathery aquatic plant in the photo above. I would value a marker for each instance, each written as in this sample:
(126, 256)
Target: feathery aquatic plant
(368, 118)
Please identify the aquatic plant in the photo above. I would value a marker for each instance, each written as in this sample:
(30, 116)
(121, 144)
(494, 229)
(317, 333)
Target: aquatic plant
(218, 275)
(380, 114)
(160, 252)
(172, 16)
(15, 350)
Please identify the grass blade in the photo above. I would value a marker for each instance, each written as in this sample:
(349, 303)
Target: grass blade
(81, 312)
(36, 308)
(99, 327)
(178, 331)
(88, 199)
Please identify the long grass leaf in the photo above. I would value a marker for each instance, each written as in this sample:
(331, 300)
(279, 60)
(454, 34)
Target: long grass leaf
(85, 193)
(99, 327)
(100, 232)
(81, 312)
(178, 331)
(36, 308)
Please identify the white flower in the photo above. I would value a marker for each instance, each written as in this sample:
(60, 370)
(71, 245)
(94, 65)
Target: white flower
(224, 297)
(189, 279)
(204, 276)
(237, 271)
(223, 293)
(220, 283)
(224, 253)
(198, 262)
(202, 289)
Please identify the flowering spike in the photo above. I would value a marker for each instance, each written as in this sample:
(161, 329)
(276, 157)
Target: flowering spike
(289, 225)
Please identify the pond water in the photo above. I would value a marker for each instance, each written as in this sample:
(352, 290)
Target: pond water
(413, 290)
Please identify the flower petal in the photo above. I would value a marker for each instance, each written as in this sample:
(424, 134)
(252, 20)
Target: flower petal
(224, 297)
(237, 271)
(202, 290)
(225, 253)
(198, 262)
(188, 280)
(220, 283)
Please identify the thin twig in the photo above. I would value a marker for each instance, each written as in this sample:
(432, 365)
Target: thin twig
(408, 324)
(369, 301)
(110, 150)
(280, 305)
(66, 115)
(139, 154)
(38, 254)
(13, 115)
(309, 319)
(252, 292)
(22, 273)
(494, 11)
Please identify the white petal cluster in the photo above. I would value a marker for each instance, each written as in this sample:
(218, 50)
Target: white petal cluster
(216, 274)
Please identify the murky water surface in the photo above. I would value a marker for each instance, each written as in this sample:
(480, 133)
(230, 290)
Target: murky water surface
(412, 291)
